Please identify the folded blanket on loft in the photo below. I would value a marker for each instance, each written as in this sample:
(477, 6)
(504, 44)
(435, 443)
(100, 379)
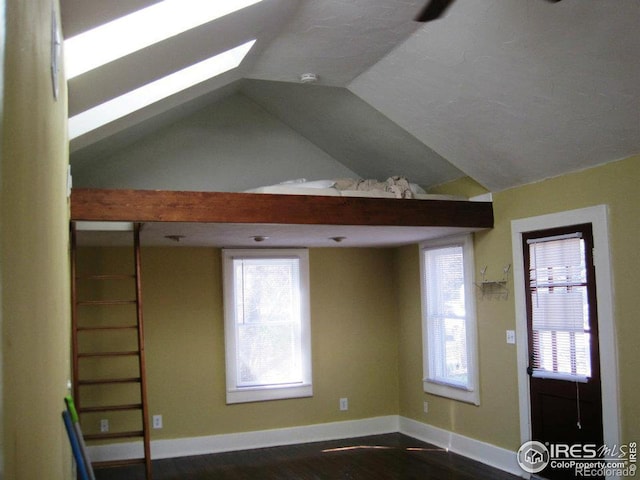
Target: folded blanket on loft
(399, 186)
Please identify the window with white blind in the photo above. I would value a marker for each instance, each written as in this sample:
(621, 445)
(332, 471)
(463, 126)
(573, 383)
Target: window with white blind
(267, 325)
(560, 331)
(448, 319)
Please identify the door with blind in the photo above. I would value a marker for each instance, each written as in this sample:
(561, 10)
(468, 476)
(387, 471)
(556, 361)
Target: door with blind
(562, 324)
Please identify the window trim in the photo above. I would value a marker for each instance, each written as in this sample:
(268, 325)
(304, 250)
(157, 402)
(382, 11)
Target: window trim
(234, 393)
(471, 394)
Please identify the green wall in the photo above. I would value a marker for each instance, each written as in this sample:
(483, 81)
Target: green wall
(34, 260)
(496, 420)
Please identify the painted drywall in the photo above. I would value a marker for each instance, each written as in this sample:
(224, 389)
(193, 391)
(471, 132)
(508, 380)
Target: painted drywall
(232, 145)
(367, 327)
(34, 261)
(496, 420)
(354, 340)
(466, 187)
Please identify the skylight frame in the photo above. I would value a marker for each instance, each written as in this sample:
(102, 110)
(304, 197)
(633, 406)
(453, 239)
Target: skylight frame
(157, 90)
(125, 35)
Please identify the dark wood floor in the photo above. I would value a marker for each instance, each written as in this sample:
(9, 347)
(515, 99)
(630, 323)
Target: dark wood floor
(392, 456)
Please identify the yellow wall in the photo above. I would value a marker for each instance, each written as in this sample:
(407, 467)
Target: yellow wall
(34, 261)
(365, 306)
(354, 341)
(496, 421)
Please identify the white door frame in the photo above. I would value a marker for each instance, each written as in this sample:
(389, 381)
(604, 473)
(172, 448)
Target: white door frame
(597, 216)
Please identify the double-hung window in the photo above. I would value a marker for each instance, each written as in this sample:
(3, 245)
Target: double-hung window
(267, 326)
(448, 319)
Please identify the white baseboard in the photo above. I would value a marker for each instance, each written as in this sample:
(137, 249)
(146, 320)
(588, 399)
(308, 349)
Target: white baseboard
(181, 447)
(482, 452)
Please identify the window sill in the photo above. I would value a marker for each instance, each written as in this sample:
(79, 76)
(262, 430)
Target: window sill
(460, 394)
(263, 394)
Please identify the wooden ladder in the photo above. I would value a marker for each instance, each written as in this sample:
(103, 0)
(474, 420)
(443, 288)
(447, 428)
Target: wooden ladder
(88, 358)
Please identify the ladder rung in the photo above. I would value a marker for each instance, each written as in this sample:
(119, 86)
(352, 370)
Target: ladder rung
(101, 358)
(106, 277)
(111, 408)
(108, 354)
(107, 381)
(118, 463)
(114, 435)
(116, 327)
(106, 302)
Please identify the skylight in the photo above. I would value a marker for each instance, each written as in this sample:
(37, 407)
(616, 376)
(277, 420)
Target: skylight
(157, 90)
(133, 32)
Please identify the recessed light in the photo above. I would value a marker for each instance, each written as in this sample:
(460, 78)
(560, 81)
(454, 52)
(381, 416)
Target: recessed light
(175, 238)
(308, 78)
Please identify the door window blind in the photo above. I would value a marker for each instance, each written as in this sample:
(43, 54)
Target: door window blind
(560, 308)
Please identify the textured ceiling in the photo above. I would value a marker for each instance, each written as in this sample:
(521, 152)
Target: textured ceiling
(505, 91)
(238, 235)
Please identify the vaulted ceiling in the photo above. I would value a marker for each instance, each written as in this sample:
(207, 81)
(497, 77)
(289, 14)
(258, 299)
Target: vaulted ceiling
(504, 91)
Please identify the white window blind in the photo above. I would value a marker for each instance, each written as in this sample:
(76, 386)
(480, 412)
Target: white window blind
(267, 321)
(560, 308)
(444, 278)
(450, 359)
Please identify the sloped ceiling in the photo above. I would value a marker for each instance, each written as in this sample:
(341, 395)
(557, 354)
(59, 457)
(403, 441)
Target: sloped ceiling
(505, 91)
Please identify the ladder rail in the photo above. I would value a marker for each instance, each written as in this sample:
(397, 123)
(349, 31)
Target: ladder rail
(141, 380)
(141, 357)
(74, 317)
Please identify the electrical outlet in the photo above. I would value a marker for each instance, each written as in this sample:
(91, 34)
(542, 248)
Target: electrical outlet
(104, 425)
(426, 407)
(511, 336)
(344, 404)
(157, 421)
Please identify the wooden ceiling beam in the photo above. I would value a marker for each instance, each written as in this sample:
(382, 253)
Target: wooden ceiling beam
(226, 207)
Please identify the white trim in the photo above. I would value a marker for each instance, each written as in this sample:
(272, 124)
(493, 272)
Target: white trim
(477, 450)
(183, 447)
(497, 457)
(598, 217)
(485, 197)
(241, 394)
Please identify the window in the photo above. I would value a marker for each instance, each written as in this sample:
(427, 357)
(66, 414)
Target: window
(448, 319)
(157, 90)
(267, 326)
(558, 303)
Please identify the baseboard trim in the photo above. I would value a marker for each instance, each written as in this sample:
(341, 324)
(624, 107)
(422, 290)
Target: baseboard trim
(182, 447)
(486, 453)
(483, 452)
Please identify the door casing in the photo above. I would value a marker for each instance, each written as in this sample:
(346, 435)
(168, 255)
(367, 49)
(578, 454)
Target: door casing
(598, 217)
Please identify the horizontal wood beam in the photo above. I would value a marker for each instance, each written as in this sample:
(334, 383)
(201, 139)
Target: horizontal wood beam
(225, 207)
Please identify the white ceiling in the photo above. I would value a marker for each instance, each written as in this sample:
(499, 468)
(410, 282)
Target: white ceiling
(505, 91)
(239, 235)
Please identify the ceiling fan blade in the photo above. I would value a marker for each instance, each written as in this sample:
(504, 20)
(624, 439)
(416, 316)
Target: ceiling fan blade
(436, 8)
(433, 10)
